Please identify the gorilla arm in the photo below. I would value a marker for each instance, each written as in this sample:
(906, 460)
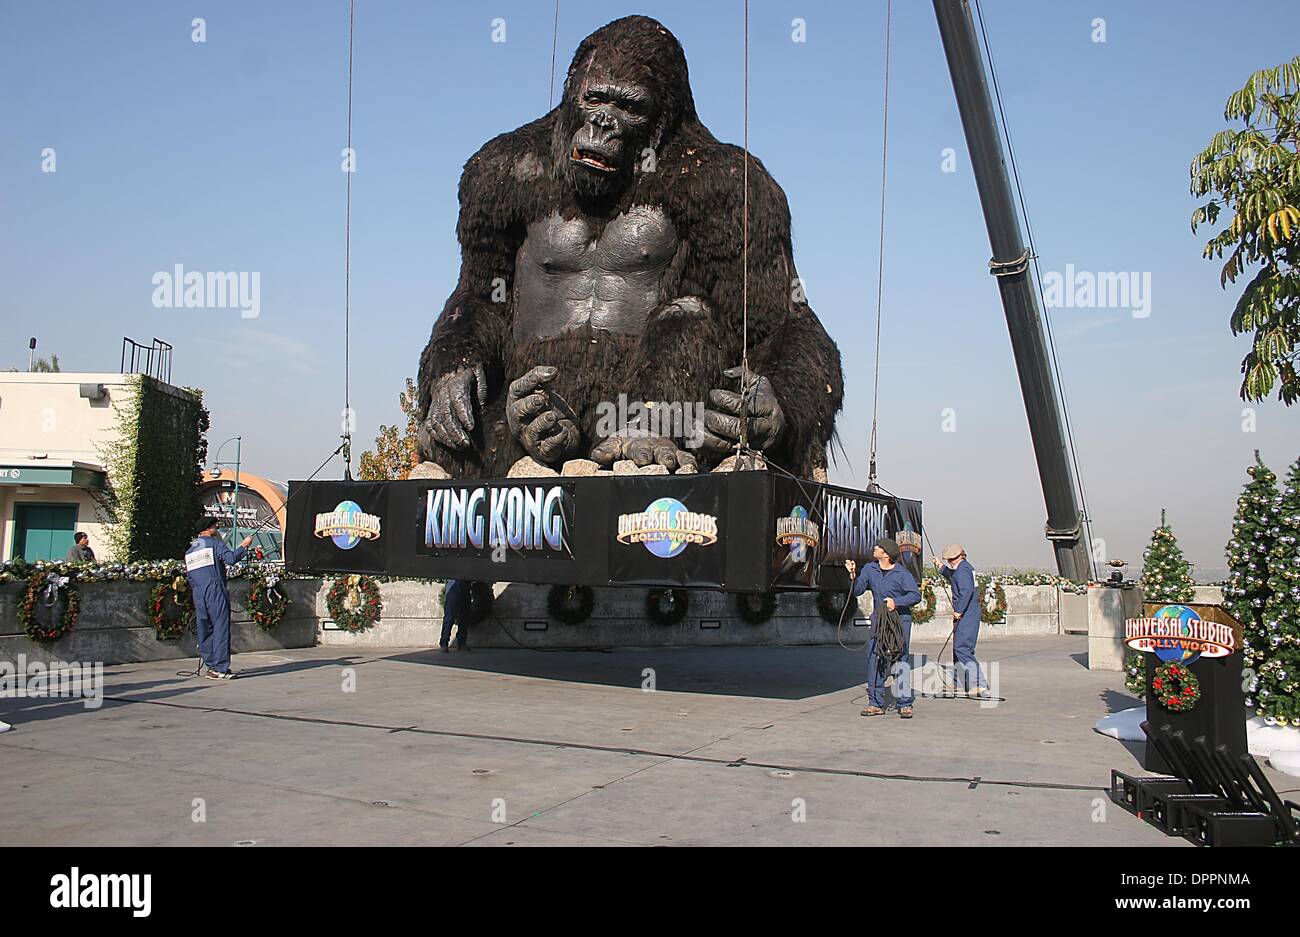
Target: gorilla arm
(464, 353)
(797, 385)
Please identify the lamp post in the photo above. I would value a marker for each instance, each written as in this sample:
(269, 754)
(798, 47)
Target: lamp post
(216, 473)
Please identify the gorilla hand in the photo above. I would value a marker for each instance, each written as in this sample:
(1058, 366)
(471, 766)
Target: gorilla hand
(644, 450)
(721, 429)
(540, 420)
(451, 407)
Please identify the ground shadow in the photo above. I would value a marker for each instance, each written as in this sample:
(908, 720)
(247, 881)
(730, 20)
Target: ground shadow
(1118, 701)
(34, 709)
(788, 673)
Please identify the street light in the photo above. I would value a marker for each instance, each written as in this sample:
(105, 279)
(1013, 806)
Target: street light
(216, 473)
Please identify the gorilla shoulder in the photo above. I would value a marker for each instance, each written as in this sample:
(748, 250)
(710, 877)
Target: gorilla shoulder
(712, 173)
(519, 156)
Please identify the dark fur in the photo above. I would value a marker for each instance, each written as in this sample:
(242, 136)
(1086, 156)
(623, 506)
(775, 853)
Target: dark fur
(523, 176)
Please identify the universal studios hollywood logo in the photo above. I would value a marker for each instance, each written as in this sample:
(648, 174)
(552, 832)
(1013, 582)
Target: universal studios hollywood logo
(347, 525)
(798, 532)
(1178, 633)
(666, 528)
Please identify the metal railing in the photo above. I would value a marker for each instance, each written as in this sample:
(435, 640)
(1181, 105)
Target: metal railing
(154, 360)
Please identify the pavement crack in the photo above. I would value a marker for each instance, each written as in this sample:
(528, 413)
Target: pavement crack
(687, 756)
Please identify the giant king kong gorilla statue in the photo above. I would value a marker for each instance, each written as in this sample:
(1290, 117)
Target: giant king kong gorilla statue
(601, 255)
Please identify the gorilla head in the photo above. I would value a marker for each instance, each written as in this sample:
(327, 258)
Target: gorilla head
(627, 90)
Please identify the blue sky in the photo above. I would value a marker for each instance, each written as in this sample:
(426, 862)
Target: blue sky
(225, 156)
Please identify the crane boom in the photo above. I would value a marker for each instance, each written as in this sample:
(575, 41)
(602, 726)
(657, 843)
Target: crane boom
(1010, 265)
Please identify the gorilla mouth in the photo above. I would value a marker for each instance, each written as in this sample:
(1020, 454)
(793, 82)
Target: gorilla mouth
(593, 159)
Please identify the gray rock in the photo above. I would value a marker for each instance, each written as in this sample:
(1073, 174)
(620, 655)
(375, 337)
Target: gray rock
(579, 467)
(428, 470)
(729, 464)
(527, 467)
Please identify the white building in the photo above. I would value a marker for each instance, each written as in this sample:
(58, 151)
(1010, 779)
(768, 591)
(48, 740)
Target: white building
(53, 427)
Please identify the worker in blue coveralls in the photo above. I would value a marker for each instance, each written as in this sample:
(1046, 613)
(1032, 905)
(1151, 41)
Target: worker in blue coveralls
(205, 567)
(455, 610)
(892, 587)
(965, 618)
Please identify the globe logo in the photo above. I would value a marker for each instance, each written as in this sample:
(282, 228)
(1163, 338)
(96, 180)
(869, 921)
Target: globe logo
(666, 527)
(1184, 616)
(672, 541)
(347, 538)
(799, 546)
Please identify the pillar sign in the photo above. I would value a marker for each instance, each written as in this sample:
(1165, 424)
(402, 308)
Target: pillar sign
(1193, 674)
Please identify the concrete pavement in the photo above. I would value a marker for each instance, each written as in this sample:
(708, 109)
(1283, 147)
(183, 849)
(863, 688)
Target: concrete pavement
(734, 746)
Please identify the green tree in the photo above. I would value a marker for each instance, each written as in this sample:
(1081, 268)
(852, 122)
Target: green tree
(50, 367)
(1246, 591)
(1166, 575)
(1277, 689)
(1253, 172)
(395, 452)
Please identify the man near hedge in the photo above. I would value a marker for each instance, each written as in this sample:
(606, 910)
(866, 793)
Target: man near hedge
(205, 568)
(455, 611)
(80, 551)
(892, 587)
(965, 618)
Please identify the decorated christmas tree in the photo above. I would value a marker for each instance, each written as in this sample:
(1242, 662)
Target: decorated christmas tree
(1246, 593)
(1166, 575)
(1277, 689)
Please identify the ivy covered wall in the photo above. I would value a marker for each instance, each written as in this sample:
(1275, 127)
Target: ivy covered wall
(154, 462)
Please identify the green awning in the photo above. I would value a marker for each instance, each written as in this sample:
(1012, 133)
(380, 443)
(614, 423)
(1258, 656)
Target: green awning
(70, 476)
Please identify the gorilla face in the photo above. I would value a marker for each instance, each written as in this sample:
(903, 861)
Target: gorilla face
(614, 119)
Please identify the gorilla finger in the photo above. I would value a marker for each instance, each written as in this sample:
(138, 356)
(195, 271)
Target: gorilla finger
(728, 401)
(528, 407)
(443, 433)
(715, 444)
(666, 455)
(463, 411)
(686, 464)
(640, 451)
(531, 381)
(480, 385)
(450, 432)
(608, 450)
(722, 425)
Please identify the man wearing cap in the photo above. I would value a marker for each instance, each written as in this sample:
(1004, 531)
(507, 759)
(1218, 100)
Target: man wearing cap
(892, 587)
(965, 618)
(205, 567)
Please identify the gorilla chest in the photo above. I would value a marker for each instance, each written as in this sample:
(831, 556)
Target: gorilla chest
(569, 274)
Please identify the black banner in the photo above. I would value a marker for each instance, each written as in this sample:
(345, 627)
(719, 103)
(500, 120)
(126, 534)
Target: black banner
(735, 531)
